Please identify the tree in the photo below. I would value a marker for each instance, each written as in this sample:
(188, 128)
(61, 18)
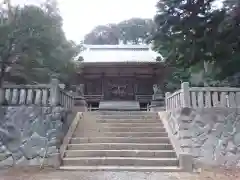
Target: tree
(100, 35)
(135, 30)
(189, 34)
(228, 41)
(34, 40)
(132, 31)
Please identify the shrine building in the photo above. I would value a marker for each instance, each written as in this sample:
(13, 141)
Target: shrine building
(119, 73)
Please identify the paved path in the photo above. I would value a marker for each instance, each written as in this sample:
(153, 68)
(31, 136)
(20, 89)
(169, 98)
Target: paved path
(73, 175)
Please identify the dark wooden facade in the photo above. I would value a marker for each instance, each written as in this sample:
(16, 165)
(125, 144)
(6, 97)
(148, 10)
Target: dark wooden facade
(120, 80)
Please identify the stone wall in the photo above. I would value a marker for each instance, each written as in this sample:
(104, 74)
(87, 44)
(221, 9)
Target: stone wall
(212, 135)
(26, 133)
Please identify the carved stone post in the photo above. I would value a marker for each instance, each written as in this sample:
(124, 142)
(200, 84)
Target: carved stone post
(186, 94)
(80, 90)
(167, 94)
(157, 98)
(80, 103)
(54, 92)
(2, 96)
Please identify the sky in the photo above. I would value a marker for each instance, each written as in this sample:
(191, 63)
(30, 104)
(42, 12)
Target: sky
(81, 16)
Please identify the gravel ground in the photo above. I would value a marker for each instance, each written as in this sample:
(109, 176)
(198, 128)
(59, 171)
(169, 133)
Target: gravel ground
(50, 174)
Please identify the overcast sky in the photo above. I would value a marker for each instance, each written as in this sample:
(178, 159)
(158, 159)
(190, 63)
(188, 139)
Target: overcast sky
(80, 16)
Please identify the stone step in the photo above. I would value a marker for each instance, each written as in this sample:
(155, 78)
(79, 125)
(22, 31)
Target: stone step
(140, 117)
(123, 168)
(119, 146)
(136, 134)
(119, 161)
(129, 121)
(119, 105)
(122, 113)
(121, 153)
(133, 129)
(127, 134)
(120, 140)
(135, 124)
(127, 115)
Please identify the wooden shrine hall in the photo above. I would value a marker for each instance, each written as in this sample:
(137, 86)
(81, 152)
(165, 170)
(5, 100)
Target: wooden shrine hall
(119, 75)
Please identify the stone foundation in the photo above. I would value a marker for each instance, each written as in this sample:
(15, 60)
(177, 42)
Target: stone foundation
(31, 136)
(211, 136)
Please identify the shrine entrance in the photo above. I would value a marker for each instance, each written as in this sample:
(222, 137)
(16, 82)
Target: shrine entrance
(120, 82)
(119, 89)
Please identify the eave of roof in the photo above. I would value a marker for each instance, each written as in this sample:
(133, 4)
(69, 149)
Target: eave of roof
(125, 63)
(118, 53)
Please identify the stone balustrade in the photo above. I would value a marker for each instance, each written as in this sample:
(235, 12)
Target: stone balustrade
(27, 94)
(41, 95)
(66, 100)
(202, 97)
(174, 100)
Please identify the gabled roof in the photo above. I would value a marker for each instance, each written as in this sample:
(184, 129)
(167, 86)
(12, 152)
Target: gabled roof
(119, 53)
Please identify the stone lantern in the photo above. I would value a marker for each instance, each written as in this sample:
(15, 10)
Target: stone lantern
(158, 100)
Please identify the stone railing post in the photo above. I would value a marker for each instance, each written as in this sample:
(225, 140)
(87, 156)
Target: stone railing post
(167, 94)
(54, 92)
(2, 96)
(185, 94)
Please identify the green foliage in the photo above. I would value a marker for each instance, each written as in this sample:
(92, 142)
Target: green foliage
(133, 31)
(103, 35)
(33, 39)
(192, 33)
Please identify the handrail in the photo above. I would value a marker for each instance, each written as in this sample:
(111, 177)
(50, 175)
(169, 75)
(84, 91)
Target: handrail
(27, 94)
(67, 94)
(175, 93)
(203, 97)
(70, 132)
(66, 99)
(22, 86)
(218, 89)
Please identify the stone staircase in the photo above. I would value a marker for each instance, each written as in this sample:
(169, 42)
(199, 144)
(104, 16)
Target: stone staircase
(130, 141)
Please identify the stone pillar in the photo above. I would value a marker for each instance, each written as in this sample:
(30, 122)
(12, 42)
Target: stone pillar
(54, 92)
(158, 101)
(185, 94)
(167, 94)
(2, 96)
(80, 90)
(80, 104)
